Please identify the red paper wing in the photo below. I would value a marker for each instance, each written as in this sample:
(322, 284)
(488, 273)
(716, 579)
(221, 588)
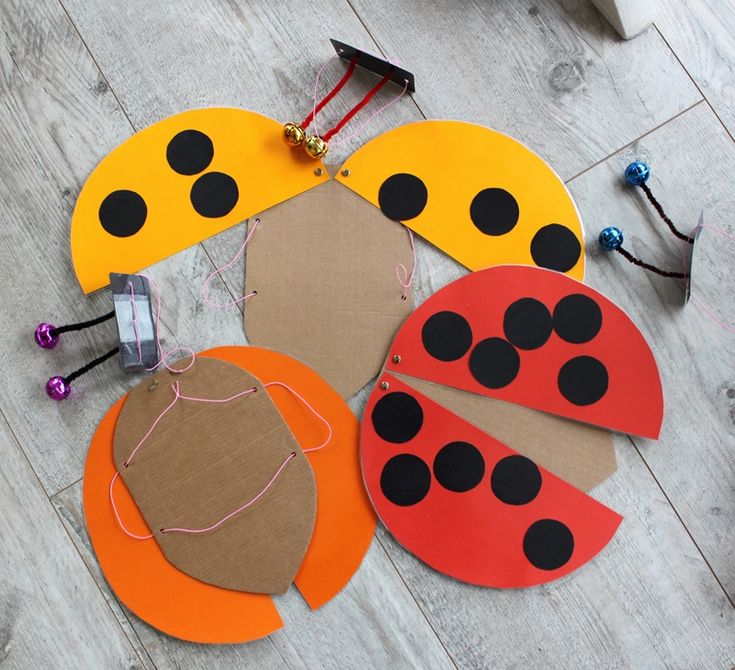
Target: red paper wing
(536, 338)
(468, 505)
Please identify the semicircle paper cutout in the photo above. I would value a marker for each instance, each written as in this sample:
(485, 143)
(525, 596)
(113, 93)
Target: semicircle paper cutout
(142, 578)
(345, 520)
(466, 504)
(190, 463)
(536, 338)
(324, 268)
(480, 196)
(178, 182)
(186, 608)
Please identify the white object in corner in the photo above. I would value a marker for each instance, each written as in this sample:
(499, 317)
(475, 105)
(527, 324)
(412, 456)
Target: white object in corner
(628, 17)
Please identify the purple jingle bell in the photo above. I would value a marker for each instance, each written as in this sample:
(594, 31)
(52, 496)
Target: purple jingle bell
(45, 336)
(57, 388)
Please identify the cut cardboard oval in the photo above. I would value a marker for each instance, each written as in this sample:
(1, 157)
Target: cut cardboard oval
(178, 182)
(535, 338)
(480, 196)
(324, 268)
(201, 461)
(468, 505)
(187, 608)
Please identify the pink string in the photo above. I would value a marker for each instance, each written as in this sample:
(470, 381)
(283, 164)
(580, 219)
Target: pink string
(316, 90)
(239, 509)
(177, 396)
(313, 411)
(134, 309)
(701, 303)
(163, 358)
(117, 514)
(229, 264)
(407, 279)
(364, 124)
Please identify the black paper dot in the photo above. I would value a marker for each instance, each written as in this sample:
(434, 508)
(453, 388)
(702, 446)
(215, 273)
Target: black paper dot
(214, 194)
(402, 197)
(405, 480)
(189, 152)
(459, 466)
(123, 213)
(527, 323)
(516, 480)
(494, 363)
(446, 336)
(397, 417)
(577, 318)
(548, 544)
(494, 211)
(583, 380)
(556, 248)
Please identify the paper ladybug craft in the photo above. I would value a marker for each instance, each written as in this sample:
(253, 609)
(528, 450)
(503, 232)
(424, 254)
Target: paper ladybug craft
(329, 266)
(491, 419)
(214, 485)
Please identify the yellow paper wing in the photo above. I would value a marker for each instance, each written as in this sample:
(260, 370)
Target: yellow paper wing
(178, 182)
(480, 196)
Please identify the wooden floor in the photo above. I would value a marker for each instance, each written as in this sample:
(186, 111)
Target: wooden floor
(78, 77)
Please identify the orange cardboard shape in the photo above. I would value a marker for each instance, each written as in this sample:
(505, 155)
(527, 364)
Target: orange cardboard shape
(324, 268)
(187, 608)
(203, 460)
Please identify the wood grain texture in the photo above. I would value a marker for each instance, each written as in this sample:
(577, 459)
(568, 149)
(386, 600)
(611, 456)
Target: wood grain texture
(552, 74)
(373, 622)
(51, 611)
(702, 35)
(693, 459)
(562, 82)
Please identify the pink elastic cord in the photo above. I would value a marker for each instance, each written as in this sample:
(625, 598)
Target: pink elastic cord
(316, 90)
(313, 411)
(229, 264)
(250, 502)
(163, 358)
(407, 278)
(368, 121)
(700, 303)
(117, 514)
(177, 396)
(134, 309)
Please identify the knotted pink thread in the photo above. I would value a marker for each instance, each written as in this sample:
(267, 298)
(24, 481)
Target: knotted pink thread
(217, 524)
(407, 279)
(134, 309)
(229, 264)
(162, 358)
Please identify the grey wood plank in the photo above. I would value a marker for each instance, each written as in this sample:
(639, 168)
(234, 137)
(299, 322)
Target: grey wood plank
(702, 35)
(56, 117)
(692, 161)
(51, 611)
(647, 601)
(345, 633)
(561, 81)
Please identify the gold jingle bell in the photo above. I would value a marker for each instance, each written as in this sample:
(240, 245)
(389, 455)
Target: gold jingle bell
(316, 147)
(293, 135)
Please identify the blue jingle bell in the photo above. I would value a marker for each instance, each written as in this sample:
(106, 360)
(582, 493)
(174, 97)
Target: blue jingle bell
(611, 238)
(637, 173)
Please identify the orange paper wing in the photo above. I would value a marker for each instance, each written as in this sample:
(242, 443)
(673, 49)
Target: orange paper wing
(178, 182)
(144, 580)
(468, 505)
(477, 194)
(345, 521)
(536, 338)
